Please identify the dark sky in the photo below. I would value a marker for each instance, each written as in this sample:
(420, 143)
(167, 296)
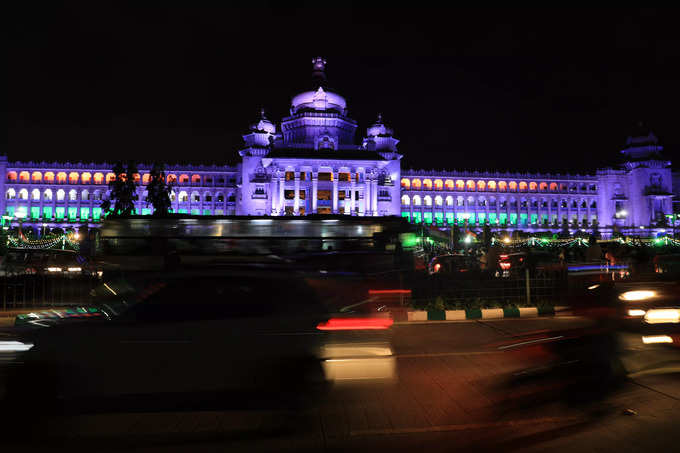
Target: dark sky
(464, 89)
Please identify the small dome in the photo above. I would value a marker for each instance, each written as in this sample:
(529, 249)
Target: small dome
(264, 125)
(320, 100)
(378, 129)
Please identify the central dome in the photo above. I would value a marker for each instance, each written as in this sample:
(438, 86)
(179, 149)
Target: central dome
(319, 100)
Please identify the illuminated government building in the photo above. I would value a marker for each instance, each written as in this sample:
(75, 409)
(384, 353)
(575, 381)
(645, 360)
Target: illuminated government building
(312, 163)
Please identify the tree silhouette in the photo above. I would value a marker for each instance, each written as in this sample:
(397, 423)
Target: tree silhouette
(487, 236)
(596, 230)
(121, 202)
(159, 191)
(565, 228)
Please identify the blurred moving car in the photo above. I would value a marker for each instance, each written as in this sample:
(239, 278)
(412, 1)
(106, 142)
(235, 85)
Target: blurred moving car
(451, 264)
(539, 263)
(236, 338)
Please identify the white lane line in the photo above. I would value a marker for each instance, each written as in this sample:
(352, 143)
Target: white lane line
(462, 427)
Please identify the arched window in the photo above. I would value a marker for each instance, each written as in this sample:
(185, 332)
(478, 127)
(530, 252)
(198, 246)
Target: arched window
(172, 178)
(24, 176)
(427, 184)
(416, 200)
(470, 185)
(533, 186)
(405, 183)
(86, 177)
(11, 176)
(72, 195)
(460, 184)
(449, 201)
(460, 201)
(136, 177)
(36, 176)
(438, 200)
(35, 195)
(96, 195)
(195, 196)
(512, 186)
(47, 195)
(416, 184)
(220, 197)
(85, 195)
(523, 186)
(502, 186)
(438, 184)
(110, 177)
(10, 194)
(491, 186)
(146, 178)
(563, 187)
(207, 196)
(183, 197)
(195, 179)
(553, 187)
(23, 194)
(427, 200)
(173, 196)
(61, 177)
(449, 184)
(183, 179)
(60, 195)
(73, 177)
(49, 177)
(543, 186)
(405, 200)
(481, 186)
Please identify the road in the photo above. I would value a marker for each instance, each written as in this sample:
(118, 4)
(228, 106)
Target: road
(452, 393)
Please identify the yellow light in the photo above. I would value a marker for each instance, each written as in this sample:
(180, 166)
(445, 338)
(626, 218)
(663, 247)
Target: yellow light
(54, 269)
(76, 236)
(74, 269)
(663, 315)
(636, 312)
(506, 240)
(594, 286)
(637, 295)
(652, 339)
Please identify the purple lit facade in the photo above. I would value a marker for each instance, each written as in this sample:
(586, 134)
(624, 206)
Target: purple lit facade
(312, 164)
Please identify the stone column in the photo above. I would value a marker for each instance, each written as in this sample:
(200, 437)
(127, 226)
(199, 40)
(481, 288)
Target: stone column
(335, 192)
(282, 183)
(374, 197)
(296, 202)
(351, 197)
(367, 195)
(315, 186)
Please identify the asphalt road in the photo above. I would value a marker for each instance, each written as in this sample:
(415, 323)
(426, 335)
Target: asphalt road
(452, 393)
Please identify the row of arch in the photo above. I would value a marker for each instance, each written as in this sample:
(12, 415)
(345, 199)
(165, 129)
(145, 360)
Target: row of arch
(74, 195)
(492, 186)
(100, 178)
(438, 200)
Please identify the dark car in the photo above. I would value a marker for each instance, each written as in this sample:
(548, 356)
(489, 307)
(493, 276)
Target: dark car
(451, 264)
(538, 263)
(204, 337)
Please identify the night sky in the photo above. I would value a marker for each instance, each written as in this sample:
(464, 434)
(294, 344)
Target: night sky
(538, 90)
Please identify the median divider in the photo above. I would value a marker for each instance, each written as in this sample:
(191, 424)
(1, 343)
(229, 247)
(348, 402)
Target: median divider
(480, 313)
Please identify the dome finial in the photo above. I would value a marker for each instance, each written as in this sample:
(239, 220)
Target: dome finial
(262, 115)
(379, 117)
(319, 71)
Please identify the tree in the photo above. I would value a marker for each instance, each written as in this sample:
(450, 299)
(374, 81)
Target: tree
(565, 228)
(455, 236)
(487, 236)
(596, 231)
(159, 191)
(123, 191)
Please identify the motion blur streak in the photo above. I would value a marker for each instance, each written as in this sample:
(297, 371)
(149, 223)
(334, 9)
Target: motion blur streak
(657, 339)
(635, 312)
(663, 315)
(637, 295)
(336, 351)
(356, 324)
(359, 369)
(14, 346)
(389, 291)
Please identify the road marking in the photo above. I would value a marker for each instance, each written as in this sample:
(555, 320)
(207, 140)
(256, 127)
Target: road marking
(450, 321)
(461, 427)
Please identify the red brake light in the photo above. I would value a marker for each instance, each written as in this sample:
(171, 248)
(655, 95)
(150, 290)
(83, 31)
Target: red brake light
(504, 257)
(356, 324)
(389, 291)
(437, 267)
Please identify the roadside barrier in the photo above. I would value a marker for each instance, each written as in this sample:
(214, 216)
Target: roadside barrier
(478, 313)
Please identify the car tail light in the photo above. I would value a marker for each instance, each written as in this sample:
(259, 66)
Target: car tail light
(505, 266)
(437, 267)
(356, 324)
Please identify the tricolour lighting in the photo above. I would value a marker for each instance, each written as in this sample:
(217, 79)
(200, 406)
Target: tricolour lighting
(663, 315)
(637, 295)
(652, 339)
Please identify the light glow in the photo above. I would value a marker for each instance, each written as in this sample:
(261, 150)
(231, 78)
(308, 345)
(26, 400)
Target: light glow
(636, 312)
(653, 339)
(356, 324)
(14, 346)
(663, 315)
(74, 269)
(637, 295)
(53, 269)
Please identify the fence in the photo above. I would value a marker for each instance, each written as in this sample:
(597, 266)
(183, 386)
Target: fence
(21, 291)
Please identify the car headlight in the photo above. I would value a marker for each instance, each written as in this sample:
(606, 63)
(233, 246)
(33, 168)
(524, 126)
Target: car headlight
(14, 346)
(636, 312)
(637, 295)
(663, 315)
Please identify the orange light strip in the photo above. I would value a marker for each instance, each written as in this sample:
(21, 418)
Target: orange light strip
(389, 291)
